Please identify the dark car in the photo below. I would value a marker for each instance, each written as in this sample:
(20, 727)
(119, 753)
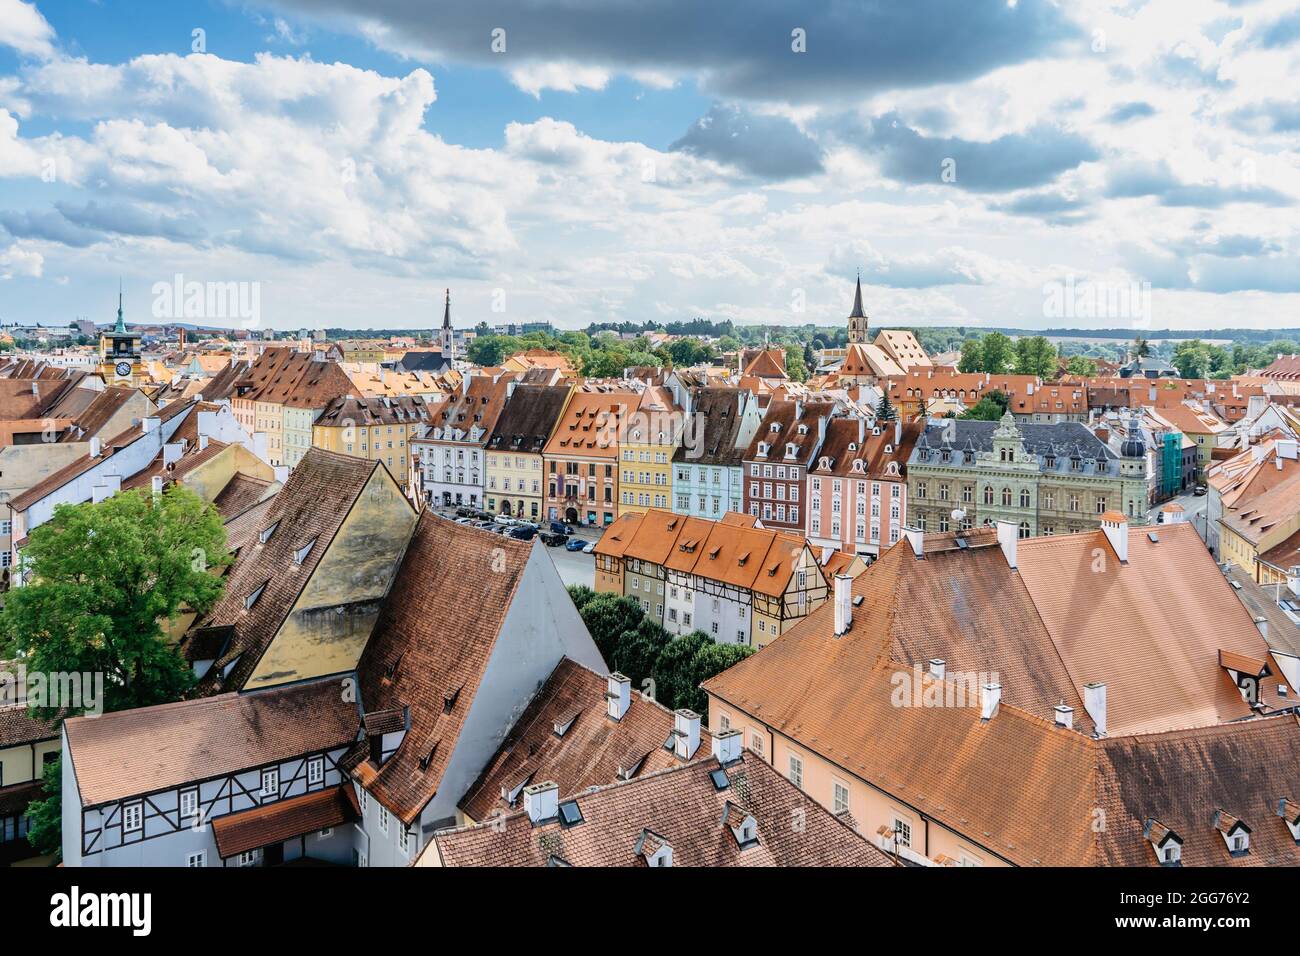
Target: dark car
(553, 540)
(523, 532)
(1199, 490)
(575, 544)
(559, 527)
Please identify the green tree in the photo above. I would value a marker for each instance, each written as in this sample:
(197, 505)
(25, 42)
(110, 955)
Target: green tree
(1035, 356)
(709, 661)
(885, 411)
(794, 364)
(104, 577)
(45, 816)
(607, 616)
(996, 352)
(487, 350)
(688, 352)
(638, 649)
(674, 671)
(580, 594)
(1081, 367)
(1141, 347)
(990, 408)
(972, 357)
(1192, 359)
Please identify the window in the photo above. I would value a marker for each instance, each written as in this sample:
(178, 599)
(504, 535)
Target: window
(271, 783)
(796, 771)
(1024, 497)
(255, 594)
(756, 744)
(840, 797)
(404, 841)
(189, 803)
(247, 858)
(724, 723)
(196, 859)
(132, 817)
(902, 833)
(315, 769)
(1006, 497)
(383, 819)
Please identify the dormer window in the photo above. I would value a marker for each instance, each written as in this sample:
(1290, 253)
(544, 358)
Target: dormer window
(1235, 833)
(858, 465)
(803, 429)
(300, 555)
(774, 427)
(266, 533)
(742, 824)
(255, 594)
(1167, 844)
(791, 450)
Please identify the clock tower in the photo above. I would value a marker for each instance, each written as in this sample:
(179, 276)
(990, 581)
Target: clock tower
(119, 354)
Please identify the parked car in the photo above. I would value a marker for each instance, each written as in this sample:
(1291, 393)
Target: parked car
(553, 540)
(591, 546)
(575, 544)
(522, 532)
(1199, 490)
(559, 527)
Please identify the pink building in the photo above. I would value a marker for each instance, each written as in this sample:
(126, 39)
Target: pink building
(857, 486)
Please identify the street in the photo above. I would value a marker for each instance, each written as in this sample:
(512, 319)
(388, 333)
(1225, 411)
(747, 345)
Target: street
(1193, 506)
(574, 566)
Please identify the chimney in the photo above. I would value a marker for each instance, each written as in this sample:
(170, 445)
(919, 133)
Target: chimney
(898, 433)
(843, 603)
(542, 802)
(916, 538)
(1115, 526)
(990, 697)
(1008, 535)
(150, 423)
(1064, 715)
(686, 728)
(1286, 448)
(156, 484)
(618, 695)
(94, 447)
(726, 746)
(1261, 622)
(203, 442)
(1094, 702)
(36, 389)
(938, 667)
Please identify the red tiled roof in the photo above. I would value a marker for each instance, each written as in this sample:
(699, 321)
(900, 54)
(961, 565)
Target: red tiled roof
(253, 829)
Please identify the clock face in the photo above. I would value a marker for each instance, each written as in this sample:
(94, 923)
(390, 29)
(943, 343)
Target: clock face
(123, 369)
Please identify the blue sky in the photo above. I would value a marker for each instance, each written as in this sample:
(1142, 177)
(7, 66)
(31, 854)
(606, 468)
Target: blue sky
(594, 160)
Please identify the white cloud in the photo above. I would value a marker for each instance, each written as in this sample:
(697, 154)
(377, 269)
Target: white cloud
(565, 77)
(23, 28)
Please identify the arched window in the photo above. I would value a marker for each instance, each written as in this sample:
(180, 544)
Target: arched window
(1006, 497)
(1024, 529)
(1024, 497)
(988, 494)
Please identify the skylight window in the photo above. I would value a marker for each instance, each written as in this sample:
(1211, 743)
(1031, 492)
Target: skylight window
(720, 779)
(570, 815)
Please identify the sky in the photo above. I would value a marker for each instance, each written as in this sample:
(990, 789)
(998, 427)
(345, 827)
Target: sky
(326, 163)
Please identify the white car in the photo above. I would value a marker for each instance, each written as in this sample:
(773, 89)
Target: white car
(591, 546)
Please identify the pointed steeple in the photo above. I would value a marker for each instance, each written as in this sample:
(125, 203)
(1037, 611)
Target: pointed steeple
(857, 312)
(120, 328)
(446, 313)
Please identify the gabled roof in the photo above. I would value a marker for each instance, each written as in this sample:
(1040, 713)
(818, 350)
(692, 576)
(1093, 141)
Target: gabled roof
(684, 807)
(593, 750)
(139, 751)
(714, 428)
(429, 649)
(312, 505)
(528, 419)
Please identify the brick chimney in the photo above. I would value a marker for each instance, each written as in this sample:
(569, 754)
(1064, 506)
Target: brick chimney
(618, 695)
(726, 746)
(843, 604)
(686, 730)
(1094, 702)
(542, 802)
(1115, 526)
(1008, 536)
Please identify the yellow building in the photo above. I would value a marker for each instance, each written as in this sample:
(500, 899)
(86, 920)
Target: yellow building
(376, 429)
(649, 438)
(515, 476)
(26, 746)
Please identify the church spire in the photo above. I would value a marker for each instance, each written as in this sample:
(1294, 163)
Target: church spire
(447, 338)
(857, 312)
(446, 313)
(120, 328)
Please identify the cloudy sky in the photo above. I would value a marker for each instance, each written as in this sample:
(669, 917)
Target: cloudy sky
(594, 160)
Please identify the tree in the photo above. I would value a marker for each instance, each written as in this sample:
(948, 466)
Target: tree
(674, 671)
(688, 352)
(637, 650)
(104, 576)
(709, 661)
(1141, 347)
(1035, 356)
(45, 816)
(580, 595)
(972, 357)
(996, 352)
(794, 364)
(607, 616)
(990, 408)
(1192, 359)
(885, 411)
(1081, 367)
(487, 350)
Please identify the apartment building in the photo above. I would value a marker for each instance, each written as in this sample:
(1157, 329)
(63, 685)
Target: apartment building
(452, 454)
(648, 440)
(582, 458)
(708, 469)
(778, 459)
(516, 473)
(376, 429)
(857, 486)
